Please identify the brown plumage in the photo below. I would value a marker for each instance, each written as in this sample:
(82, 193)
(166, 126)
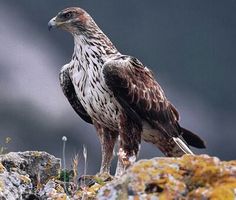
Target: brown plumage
(118, 94)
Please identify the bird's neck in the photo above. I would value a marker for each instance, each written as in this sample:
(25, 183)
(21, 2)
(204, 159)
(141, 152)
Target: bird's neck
(95, 48)
(89, 56)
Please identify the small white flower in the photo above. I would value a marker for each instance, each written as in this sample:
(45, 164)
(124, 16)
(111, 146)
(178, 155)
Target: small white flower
(64, 138)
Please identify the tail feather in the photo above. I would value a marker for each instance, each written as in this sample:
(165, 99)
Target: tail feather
(192, 139)
(172, 146)
(182, 146)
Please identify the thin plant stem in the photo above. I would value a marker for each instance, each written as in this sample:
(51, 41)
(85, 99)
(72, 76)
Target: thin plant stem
(85, 154)
(64, 139)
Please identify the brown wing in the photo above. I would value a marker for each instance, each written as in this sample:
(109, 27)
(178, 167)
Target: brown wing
(138, 92)
(136, 89)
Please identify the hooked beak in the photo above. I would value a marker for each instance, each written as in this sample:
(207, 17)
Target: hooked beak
(52, 23)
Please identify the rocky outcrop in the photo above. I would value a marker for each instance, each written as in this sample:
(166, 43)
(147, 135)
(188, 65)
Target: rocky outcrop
(188, 177)
(23, 173)
(36, 175)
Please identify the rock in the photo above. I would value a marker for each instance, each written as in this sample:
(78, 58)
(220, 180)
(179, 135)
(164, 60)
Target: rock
(188, 177)
(34, 175)
(53, 190)
(40, 166)
(22, 173)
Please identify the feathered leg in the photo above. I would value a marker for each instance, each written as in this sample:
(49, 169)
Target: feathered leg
(107, 139)
(129, 143)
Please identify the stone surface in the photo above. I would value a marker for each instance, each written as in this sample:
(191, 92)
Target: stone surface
(34, 175)
(23, 173)
(188, 177)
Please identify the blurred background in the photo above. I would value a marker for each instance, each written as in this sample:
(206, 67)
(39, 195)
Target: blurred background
(190, 46)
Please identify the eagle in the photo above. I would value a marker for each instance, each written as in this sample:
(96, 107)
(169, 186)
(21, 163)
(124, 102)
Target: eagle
(118, 95)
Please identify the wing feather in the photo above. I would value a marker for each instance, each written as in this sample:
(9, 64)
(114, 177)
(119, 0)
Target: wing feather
(135, 84)
(136, 89)
(69, 92)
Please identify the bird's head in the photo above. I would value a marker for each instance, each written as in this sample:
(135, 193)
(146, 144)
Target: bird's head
(74, 20)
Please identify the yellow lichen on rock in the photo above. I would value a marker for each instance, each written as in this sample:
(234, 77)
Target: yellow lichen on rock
(188, 177)
(216, 179)
(24, 179)
(2, 168)
(1, 186)
(185, 178)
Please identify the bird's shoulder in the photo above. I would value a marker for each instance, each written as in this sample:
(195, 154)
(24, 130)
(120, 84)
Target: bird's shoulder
(127, 65)
(65, 67)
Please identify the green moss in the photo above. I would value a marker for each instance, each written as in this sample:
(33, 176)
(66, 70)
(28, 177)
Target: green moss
(66, 175)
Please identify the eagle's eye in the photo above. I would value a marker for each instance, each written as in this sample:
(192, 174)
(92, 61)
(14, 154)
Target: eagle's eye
(67, 15)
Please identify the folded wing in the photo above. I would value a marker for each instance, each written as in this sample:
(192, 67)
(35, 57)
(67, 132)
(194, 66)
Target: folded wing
(136, 89)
